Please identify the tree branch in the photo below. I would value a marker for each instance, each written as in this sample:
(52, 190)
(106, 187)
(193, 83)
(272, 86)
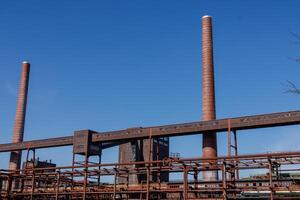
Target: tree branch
(292, 88)
(297, 37)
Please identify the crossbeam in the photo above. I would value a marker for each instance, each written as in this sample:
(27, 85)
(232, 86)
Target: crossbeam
(220, 125)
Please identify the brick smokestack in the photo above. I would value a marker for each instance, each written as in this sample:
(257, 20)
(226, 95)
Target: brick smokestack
(209, 146)
(18, 132)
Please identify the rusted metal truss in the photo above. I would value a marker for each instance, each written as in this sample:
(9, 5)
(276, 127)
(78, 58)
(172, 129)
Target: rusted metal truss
(112, 138)
(84, 180)
(80, 182)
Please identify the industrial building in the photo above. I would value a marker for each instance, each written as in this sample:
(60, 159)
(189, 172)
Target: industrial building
(145, 163)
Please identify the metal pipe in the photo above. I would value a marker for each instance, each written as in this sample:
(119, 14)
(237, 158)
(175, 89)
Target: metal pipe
(18, 131)
(209, 144)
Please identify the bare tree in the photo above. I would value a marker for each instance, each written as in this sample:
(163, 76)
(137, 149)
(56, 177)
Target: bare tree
(290, 86)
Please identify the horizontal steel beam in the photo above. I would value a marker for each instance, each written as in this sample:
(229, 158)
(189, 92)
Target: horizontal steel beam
(239, 123)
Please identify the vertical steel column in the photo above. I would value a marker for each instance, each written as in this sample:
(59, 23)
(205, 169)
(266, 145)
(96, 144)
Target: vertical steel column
(224, 181)
(157, 174)
(270, 178)
(150, 158)
(185, 183)
(85, 183)
(236, 154)
(57, 185)
(32, 184)
(27, 158)
(9, 185)
(235, 162)
(33, 174)
(26, 166)
(231, 163)
(148, 183)
(18, 132)
(209, 146)
(115, 183)
(196, 180)
(229, 139)
(72, 176)
(99, 168)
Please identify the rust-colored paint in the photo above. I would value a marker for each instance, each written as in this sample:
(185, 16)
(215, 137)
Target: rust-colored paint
(18, 131)
(209, 146)
(43, 180)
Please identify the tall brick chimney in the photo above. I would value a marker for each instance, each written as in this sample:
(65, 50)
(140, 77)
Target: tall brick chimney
(209, 146)
(15, 156)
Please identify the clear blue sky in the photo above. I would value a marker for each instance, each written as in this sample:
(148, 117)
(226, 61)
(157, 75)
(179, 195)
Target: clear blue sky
(108, 65)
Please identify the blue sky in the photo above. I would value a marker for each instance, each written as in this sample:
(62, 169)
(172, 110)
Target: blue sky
(108, 65)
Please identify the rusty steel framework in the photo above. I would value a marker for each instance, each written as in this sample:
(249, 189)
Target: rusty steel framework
(83, 180)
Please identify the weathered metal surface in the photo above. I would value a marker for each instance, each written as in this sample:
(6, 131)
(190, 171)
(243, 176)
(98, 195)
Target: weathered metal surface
(239, 123)
(209, 141)
(143, 150)
(54, 182)
(82, 143)
(220, 125)
(18, 132)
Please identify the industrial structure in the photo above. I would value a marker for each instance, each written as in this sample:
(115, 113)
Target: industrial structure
(144, 163)
(15, 156)
(209, 147)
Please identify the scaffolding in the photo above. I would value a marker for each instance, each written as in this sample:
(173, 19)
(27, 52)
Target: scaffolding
(81, 182)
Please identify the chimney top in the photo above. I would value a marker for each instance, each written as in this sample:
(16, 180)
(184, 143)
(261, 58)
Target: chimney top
(206, 16)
